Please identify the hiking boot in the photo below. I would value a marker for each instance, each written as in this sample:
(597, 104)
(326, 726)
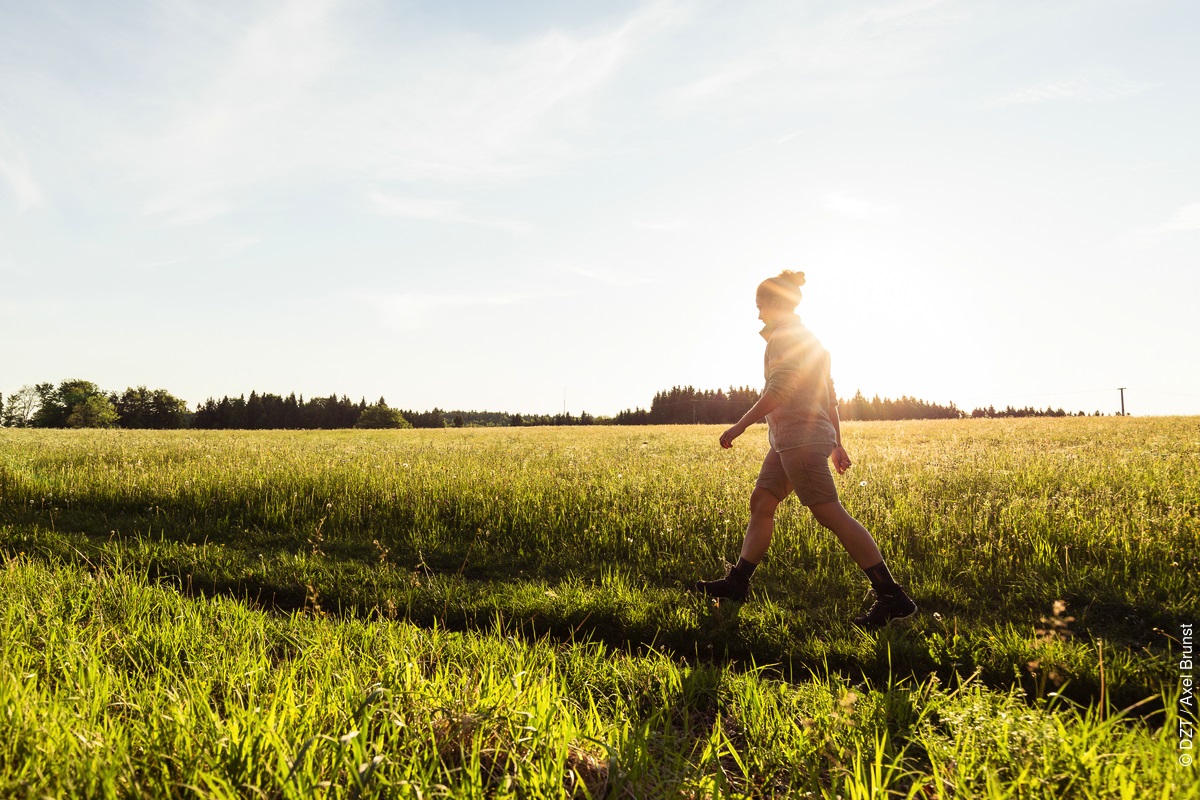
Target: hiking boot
(891, 603)
(727, 588)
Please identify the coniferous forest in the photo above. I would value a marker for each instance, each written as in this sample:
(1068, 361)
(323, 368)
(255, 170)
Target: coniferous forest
(83, 404)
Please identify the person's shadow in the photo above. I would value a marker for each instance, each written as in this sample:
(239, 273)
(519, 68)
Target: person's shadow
(719, 620)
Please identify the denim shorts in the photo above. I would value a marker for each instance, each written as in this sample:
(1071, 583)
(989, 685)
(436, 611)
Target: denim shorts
(803, 470)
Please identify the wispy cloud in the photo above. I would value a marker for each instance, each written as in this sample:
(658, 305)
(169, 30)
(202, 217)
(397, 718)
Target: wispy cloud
(1095, 89)
(184, 207)
(848, 205)
(610, 277)
(1186, 218)
(249, 121)
(662, 225)
(153, 266)
(412, 310)
(15, 170)
(724, 80)
(300, 97)
(442, 211)
(211, 251)
(855, 52)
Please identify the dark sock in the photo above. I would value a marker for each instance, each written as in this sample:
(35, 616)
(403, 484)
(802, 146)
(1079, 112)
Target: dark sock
(742, 571)
(880, 576)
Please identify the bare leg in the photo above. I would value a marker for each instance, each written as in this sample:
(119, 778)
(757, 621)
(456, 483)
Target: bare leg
(736, 583)
(761, 526)
(854, 537)
(891, 601)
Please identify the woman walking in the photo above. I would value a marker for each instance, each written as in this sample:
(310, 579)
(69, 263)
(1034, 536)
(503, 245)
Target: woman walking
(804, 432)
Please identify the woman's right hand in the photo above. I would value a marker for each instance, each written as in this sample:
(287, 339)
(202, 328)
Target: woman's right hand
(728, 436)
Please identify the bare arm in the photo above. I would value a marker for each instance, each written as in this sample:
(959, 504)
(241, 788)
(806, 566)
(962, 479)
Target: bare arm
(765, 405)
(841, 459)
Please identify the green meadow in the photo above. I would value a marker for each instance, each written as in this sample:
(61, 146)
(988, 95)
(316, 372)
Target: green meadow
(503, 613)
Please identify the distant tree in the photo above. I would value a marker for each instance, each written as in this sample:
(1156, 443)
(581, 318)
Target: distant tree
(426, 419)
(458, 420)
(482, 419)
(20, 408)
(290, 411)
(638, 416)
(380, 416)
(56, 405)
(145, 408)
(272, 411)
(94, 411)
(237, 413)
(225, 414)
(50, 411)
(256, 415)
(516, 421)
(132, 407)
(205, 415)
(687, 405)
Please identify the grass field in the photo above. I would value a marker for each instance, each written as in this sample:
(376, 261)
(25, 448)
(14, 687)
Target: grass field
(500, 612)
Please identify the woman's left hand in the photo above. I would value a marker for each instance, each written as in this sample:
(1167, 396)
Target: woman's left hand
(841, 459)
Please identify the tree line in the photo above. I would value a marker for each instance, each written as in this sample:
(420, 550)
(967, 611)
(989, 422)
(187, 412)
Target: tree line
(860, 408)
(271, 411)
(82, 404)
(686, 405)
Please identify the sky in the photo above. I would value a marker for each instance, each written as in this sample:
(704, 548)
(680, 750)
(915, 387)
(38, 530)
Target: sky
(536, 206)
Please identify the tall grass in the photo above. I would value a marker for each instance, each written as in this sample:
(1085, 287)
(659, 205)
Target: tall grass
(1039, 508)
(115, 687)
(1027, 543)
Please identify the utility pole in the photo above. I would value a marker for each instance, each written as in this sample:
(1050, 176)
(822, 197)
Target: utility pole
(1122, 390)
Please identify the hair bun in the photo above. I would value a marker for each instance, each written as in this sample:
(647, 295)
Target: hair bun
(794, 278)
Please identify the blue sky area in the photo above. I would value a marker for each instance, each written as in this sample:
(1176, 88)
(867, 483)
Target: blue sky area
(512, 206)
